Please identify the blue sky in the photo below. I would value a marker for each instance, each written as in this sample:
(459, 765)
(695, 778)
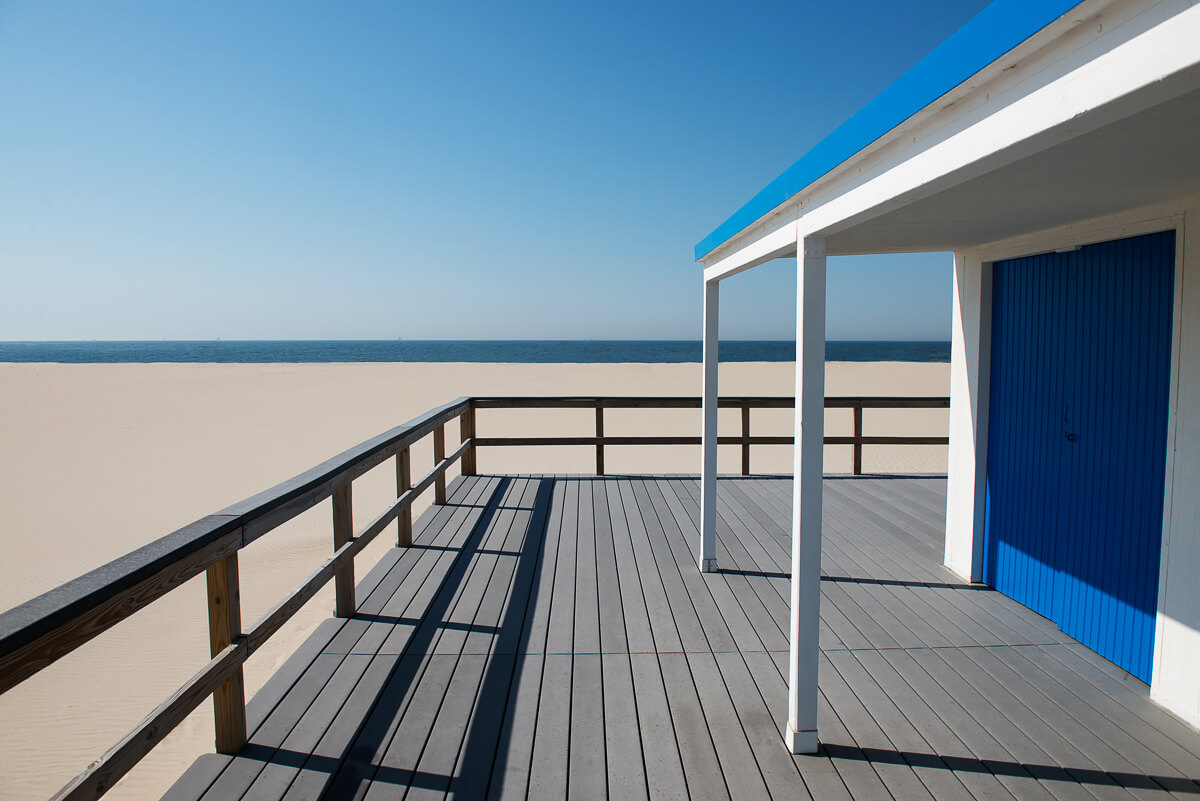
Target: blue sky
(372, 170)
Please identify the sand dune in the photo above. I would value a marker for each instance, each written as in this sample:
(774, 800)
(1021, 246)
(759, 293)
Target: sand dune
(97, 460)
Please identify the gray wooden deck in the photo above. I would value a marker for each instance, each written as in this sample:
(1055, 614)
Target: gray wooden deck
(550, 637)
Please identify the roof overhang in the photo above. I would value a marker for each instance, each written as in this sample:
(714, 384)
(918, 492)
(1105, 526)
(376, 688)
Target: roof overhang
(1095, 112)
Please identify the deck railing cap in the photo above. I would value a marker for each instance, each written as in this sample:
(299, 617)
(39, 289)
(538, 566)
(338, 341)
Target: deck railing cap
(296, 486)
(25, 623)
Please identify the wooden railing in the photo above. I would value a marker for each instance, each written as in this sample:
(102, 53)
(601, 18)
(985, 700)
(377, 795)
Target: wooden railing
(745, 440)
(43, 630)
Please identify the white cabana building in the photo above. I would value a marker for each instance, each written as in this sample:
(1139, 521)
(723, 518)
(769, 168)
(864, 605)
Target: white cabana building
(1054, 147)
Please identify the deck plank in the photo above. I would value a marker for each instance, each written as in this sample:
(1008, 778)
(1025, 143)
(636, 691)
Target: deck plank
(587, 590)
(419, 619)
(374, 751)
(397, 767)
(622, 739)
(664, 624)
(692, 635)
(993, 708)
(552, 736)
(1073, 666)
(936, 737)
(560, 634)
(897, 774)
(300, 745)
(725, 624)
(951, 729)
(779, 772)
(587, 773)
(764, 603)
(838, 749)
(608, 586)
(472, 770)
(819, 776)
(664, 769)
(436, 768)
(513, 618)
(509, 776)
(432, 532)
(638, 629)
(729, 738)
(478, 572)
(265, 743)
(321, 766)
(894, 729)
(538, 614)
(700, 767)
(519, 543)
(1130, 762)
(485, 626)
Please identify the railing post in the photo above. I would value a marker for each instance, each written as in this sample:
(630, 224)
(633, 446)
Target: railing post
(858, 440)
(439, 453)
(466, 425)
(225, 624)
(600, 444)
(745, 440)
(343, 528)
(403, 485)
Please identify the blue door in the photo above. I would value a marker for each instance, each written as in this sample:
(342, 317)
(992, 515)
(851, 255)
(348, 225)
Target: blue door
(1077, 434)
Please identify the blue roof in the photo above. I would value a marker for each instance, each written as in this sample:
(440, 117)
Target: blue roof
(993, 32)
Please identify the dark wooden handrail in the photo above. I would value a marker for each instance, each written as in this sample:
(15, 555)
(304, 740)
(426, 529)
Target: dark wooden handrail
(600, 440)
(44, 629)
(692, 402)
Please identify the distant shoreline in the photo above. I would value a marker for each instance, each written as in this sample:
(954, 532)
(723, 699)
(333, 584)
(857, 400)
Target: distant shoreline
(456, 351)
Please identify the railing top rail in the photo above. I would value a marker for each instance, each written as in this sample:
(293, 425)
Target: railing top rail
(690, 402)
(131, 581)
(609, 402)
(268, 509)
(887, 402)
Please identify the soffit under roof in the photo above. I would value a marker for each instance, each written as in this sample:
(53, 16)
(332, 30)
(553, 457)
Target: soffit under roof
(1143, 159)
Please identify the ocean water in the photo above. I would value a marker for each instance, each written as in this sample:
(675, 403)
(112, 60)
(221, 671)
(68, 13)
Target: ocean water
(526, 351)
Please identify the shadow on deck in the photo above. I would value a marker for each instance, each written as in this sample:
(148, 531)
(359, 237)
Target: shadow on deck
(551, 637)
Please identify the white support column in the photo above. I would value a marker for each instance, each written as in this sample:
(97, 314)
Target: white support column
(801, 732)
(967, 459)
(1177, 631)
(708, 472)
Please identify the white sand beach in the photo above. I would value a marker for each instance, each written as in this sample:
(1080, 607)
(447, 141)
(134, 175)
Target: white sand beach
(98, 460)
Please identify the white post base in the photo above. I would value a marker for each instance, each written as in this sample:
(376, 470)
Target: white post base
(708, 565)
(801, 742)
